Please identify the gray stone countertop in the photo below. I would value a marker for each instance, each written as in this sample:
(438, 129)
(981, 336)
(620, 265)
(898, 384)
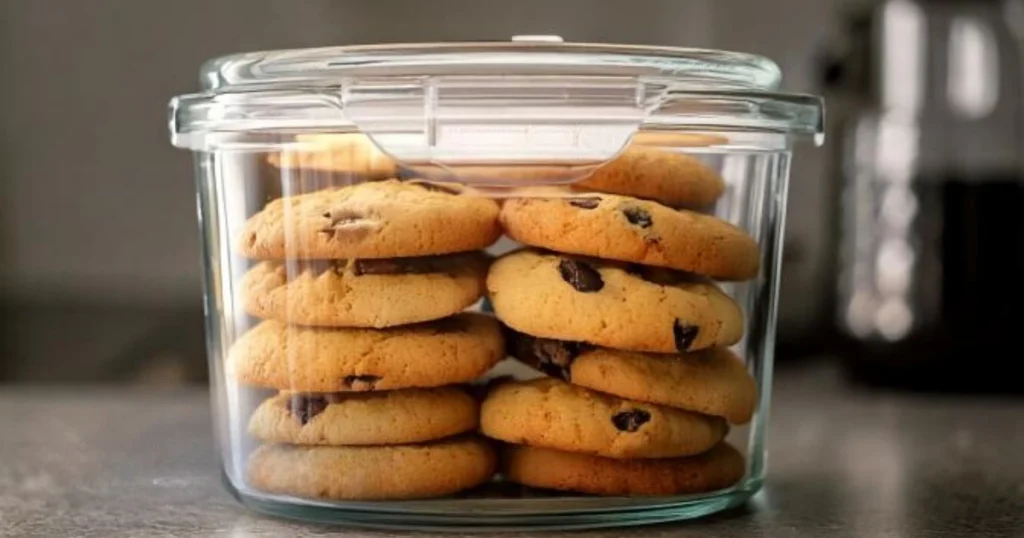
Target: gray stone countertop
(107, 461)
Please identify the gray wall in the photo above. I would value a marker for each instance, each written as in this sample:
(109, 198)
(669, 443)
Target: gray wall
(96, 205)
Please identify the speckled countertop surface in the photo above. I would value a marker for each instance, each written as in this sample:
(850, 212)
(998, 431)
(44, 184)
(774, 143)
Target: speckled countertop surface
(106, 462)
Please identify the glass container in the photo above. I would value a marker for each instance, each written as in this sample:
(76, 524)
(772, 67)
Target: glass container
(492, 285)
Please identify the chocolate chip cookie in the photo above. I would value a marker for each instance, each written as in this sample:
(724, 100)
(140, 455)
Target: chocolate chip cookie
(551, 413)
(719, 468)
(349, 153)
(670, 177)
(364, 292)
(382, 219)
(631, 230)
(615, 305)
(365, 418)
(372, 472)
(712, 381)
(307, 359)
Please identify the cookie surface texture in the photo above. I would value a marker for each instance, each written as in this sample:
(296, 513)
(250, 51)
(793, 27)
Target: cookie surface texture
(712, 381)
(364, 292)
(382, 219)
(669, 177)
(365, 418)
(631, 230)
(372, 472)
(613, 305)
(306, 359)
(554, 414)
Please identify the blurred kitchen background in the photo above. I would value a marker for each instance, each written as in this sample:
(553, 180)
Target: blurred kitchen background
(98, 239)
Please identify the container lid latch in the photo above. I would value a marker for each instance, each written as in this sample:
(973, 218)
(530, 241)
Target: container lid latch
(500, 130)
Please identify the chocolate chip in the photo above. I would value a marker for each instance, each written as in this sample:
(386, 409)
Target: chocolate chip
(638, 217)
(305, 408)
(630, 421)
(585, 203)
(580, 275)
(684, 335)
(360, 382)
(553, 357)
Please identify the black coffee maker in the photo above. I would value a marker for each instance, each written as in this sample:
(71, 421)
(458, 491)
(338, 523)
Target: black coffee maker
(926, 99)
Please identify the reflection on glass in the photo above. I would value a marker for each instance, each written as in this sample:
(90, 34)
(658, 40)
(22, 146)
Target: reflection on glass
(973, 80)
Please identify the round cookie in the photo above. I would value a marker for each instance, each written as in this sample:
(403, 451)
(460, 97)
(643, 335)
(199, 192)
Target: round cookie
(627, 229)
(365, 418)
(554, 414)
(672, 178)
(712, 381)
(610, 304)
(372, 472)
(719, 468)
(351, 153)
(308, 359)
(364, 292)
(381, 219)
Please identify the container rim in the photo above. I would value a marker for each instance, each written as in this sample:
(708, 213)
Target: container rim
(709, 68)
(538, 78)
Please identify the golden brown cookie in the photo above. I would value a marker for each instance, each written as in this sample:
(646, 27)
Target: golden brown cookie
(382, 219)
(551, 413)
(364, 292)
(350, 153)
(631, 230)
(307, 359)
(391, 417)
(670, 177)
(610, 304)
(372, 472)
(719, 468)
(712, 381)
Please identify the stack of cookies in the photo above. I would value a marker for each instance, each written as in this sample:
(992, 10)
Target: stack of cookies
(361, 292)
(614, 299)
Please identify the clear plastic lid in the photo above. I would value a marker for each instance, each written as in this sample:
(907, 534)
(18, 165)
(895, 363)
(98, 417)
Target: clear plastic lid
(534, 101)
